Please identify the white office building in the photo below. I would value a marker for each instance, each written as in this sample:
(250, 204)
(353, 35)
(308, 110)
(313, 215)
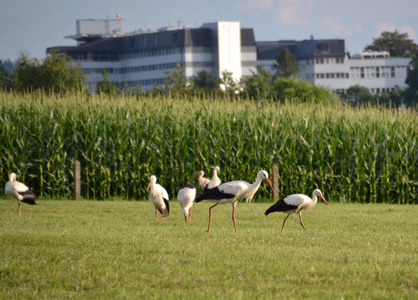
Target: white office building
(144, 57)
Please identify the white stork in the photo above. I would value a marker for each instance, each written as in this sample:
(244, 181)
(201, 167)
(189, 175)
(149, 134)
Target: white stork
(232, 192)
(203, 182)
(215, 181)
(159, 197)
(294, 204)
(186, 196)
(19, 191)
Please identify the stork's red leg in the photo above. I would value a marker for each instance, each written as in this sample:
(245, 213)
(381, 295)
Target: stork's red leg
(155, 214)
(233, 216)
(301, 223)
(284, 222)
(210, 215)
(19, 208)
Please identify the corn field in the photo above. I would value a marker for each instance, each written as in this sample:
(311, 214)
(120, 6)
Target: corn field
(353, 155)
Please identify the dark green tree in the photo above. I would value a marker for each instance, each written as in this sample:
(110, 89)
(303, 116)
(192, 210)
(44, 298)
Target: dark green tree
(358, 94)
(229, 85)
(286, 65)
(411, 93)
(104, 86)
(295, 89)
(4, 78)
(57, 73)
(259, 84)
(176, 82)
(204, 83)
(396, 43)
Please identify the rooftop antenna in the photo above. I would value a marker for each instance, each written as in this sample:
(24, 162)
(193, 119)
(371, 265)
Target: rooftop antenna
(178, 20)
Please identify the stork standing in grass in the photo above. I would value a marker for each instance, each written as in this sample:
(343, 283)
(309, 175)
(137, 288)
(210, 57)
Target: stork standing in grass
(294, 204)
(203, 182)
(186, 196)
(159, 197)
(19, 191)
(215, 181)
(232, 192)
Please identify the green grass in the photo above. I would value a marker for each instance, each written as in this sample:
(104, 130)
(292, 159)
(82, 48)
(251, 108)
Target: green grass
(116, 250)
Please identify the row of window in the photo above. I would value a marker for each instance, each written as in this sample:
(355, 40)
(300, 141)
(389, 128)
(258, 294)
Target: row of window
(378, 72)
(372, 90)
(327, 60)
(127, 70)
(364, 72)
(146, 82)
(327, 75)
(150, 53)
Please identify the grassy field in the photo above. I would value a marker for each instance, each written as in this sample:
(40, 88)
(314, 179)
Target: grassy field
(116, 250)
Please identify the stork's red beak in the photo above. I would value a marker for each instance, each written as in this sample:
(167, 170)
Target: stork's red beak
(322, 197)
(268, 182)
(149, 184)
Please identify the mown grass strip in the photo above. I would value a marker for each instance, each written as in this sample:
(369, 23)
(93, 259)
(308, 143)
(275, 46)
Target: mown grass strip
(105, 249)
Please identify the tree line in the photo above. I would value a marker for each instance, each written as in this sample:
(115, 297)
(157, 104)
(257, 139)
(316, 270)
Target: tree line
(58, 73)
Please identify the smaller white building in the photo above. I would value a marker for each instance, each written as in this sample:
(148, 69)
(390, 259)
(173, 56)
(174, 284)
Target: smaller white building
(326, 63)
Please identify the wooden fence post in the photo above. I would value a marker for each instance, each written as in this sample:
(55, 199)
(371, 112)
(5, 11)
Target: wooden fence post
(77, 179)
(276, 183)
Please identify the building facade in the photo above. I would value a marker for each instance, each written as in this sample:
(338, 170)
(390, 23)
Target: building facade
(326, 63)
(144, 57)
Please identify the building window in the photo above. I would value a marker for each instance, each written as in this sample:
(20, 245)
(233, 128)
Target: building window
(361, 72)
(175, 38)
(370, 72)
(377, 72)
(385, 72)
(392, 71)
(400, 72)
(355, 72)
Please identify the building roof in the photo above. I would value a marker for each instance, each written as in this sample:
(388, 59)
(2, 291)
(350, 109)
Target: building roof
(301, 49)
(187, 37)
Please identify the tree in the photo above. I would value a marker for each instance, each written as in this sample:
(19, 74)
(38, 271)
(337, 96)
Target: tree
(105, 86)
(358, 94)
(204, 83)
(57, 73)
(286, 64)
(4, 78)
(411, 93)
(296, 89)
(230, 86)
(397, 44)
(176, 82)
(259, 85)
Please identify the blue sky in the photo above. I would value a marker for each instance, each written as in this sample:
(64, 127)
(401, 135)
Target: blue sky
(34, 25)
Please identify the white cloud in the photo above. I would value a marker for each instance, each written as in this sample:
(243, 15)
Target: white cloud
(294, 12)
(384, 27)
(335, 27)
(251, 5)
(409, 30)
(359, 28)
